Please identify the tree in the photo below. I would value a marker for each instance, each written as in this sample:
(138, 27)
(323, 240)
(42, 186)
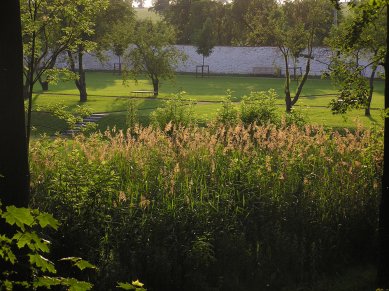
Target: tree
(49, 28)
(43, 38)
(251, 19)
(205, 41)
(295, 27)
(14, 170)
(298, 27)
(84, 13)
(188, 17)
(346, 69)
(114, 28)
(153, 52)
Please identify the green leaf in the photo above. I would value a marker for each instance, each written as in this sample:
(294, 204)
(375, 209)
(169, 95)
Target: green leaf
(46, 282)
(125, 286)
(32, 241)
(7, 254)
(137, 283)
(80, 263)
(42, 263)
(20, 216)
(46, 219)
(75, 285)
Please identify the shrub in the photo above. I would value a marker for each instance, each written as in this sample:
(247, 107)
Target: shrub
(296, 117)
(176, 111)
(228, 114)
(132, 118)
(71, 117)
(260, 107)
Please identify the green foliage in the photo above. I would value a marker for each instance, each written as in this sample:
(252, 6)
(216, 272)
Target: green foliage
(176, 111)
(205, 40)
(71, 117)
(228, 114)
(54, 75)
(223, 208)
(26, 242)
(135, 285)
(132, 114)
(354, 87)
(296, 117)
(295, 28)
(351, 40)
(85, 195)
(49, 27)
(153, 53)
(114, 27)
(260, 107)
(188, 17)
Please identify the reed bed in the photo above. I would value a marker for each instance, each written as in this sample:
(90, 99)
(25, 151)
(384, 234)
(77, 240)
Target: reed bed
(215, 208)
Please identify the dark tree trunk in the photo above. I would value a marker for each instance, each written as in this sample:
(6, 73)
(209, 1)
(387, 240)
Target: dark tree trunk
(44, 84)
(383, 227)
(202, 68)
(14, 171)
(81, 81)
(26, 89)
(288, 99)
(155, 87)
(304, 79)
(371, 89)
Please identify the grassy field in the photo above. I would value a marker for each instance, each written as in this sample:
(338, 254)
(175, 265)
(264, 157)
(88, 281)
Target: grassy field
(108, 93)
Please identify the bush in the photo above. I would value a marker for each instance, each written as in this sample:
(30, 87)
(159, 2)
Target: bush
(260, 107)
(228, 114)
(132, 118)
(71, 117)
(176, 111)
(296, 117)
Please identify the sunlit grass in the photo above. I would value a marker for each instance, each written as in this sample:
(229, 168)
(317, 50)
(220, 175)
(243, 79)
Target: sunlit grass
(108, 93)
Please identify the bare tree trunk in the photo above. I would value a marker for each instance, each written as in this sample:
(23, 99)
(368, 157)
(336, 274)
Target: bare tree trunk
(45, 83)
(155, 86)
(14, 171)
(304, 79)
(81, 81)
(371, 89)
(288, 99)
(26, 89)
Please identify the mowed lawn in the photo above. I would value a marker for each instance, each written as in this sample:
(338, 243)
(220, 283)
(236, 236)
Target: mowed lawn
(109, 93)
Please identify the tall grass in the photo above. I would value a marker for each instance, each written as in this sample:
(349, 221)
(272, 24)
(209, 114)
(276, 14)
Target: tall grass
(216, 208)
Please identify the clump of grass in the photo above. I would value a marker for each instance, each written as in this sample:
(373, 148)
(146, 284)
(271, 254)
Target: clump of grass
(256, 206)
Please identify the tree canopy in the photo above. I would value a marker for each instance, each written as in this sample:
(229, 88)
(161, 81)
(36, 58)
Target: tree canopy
(205, 40)
(355, 78)
(153, 52)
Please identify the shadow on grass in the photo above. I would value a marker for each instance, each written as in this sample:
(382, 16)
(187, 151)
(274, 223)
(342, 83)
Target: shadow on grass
(45, 123)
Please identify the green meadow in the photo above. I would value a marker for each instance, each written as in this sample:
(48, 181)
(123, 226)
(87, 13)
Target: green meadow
(110, 93)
